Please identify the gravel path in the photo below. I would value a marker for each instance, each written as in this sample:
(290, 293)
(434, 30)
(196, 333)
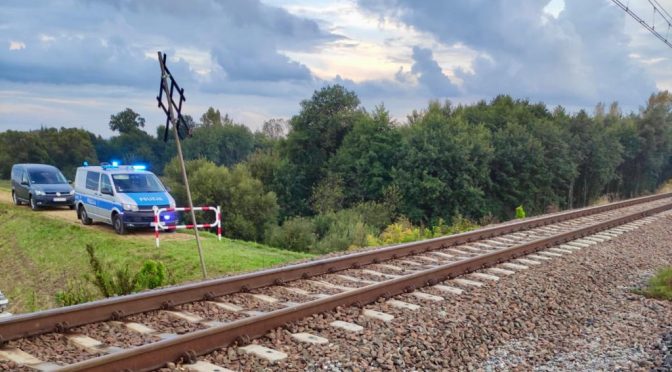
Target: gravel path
(576, 312)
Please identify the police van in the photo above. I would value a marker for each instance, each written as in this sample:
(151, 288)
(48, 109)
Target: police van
(120, 195)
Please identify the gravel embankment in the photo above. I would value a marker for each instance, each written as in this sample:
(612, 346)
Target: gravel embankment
(574, 313)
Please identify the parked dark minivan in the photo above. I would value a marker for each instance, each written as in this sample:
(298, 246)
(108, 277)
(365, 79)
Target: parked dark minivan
(41, 185)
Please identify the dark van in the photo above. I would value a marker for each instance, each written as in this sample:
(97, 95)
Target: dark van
(41, 185)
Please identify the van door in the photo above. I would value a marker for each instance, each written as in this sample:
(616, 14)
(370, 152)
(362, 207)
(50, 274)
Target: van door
(107, 196)
(24, 185)
(91, 202)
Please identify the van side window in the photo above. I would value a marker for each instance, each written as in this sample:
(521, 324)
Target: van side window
(24, 176)
(105, 183)
(92, 180)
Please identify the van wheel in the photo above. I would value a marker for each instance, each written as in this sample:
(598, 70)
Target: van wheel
(118, 224)
(83, 216)
(15, 199)
(32, 203)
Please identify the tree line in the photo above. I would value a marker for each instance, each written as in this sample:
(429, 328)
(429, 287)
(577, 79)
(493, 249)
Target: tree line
(336, 175)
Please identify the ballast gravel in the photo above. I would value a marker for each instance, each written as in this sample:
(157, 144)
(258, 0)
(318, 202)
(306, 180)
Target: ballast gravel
(577, 312)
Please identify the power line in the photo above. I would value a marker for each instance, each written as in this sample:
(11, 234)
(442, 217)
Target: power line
(657, 8)
(660, 7)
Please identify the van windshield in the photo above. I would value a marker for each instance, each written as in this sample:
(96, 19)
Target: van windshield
(46, 177)
(136, 182)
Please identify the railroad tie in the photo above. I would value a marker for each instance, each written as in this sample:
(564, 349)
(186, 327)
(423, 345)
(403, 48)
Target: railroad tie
(485, 276)
(202, 366)
(265, 298)
(497, 270)
(538, 257)
(309, 338)
(427, 296)
(514, 266)
(264, 352)
(20, 357)
(449, 289)
(530, 262)
(377, 315)
(403, 305)
(467, 282)
(346, 326)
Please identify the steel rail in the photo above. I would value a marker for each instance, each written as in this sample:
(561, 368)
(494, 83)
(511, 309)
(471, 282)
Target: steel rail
(187, 347)
(61, 319)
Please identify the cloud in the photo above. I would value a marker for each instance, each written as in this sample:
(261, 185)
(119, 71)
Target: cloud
(579, 58)
(16, 45)
(430, 75)
(115, 42)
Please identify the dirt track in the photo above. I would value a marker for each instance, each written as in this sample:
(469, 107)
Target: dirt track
(67, 215)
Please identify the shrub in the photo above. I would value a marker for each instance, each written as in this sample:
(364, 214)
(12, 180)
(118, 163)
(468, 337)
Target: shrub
(344, 234)
(151, 275)
(297, 234)
(660, 285)
(520, 212)
(401, 231)
(376, 215)
(75, 292)
(121, 281)
(247, 210)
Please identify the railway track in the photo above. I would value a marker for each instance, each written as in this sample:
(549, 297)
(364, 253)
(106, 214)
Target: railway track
(146, 330)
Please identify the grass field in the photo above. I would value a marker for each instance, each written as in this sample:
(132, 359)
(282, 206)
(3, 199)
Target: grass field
(38, 255)
(5, 185)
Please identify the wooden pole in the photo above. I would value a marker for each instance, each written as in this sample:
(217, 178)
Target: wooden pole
(173, 121)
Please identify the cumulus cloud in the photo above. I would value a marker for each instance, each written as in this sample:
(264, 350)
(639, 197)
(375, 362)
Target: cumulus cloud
(115, 42)
(580, 57)
(430, 75)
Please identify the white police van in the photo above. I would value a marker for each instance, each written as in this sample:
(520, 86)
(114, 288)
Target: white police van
(121, 195)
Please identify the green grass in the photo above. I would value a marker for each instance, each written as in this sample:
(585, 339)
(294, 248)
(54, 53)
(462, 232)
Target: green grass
(5, 185)
(38, 255)
(660, 285)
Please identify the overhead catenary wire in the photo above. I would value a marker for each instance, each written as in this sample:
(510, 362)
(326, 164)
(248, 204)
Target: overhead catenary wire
(657, 8)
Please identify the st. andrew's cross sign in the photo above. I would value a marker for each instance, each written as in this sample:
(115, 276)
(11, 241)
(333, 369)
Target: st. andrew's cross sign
(173, 113)
(183, 129)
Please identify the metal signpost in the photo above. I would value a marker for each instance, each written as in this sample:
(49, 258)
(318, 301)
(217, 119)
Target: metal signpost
(174, 117)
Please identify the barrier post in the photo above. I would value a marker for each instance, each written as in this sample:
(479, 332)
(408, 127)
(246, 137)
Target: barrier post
(159, 223)
(156, 225)
(219, 223)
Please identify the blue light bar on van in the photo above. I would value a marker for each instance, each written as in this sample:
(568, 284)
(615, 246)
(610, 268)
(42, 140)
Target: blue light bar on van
(139, 167)
(115, 163)
(86, 163)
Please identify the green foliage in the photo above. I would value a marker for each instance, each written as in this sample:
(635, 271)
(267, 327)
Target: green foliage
(297, 234)
(332, 231)
(121, 280)
(110, 282)
(76, 292)
(126, 121)
(247, 209)
(403, 231)
(520, 212)
(660, 285)
(317, 132)
(219, 140)
(65, 148)
(444, 166)
(152, 275)
(328, 195)
(365, 159)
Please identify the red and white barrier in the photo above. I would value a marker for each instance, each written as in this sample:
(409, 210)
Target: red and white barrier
(160, 224)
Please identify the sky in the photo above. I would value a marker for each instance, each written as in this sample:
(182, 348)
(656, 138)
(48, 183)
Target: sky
(73, 63)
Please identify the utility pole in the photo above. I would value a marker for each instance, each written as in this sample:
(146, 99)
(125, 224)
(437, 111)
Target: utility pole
(176, 120)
